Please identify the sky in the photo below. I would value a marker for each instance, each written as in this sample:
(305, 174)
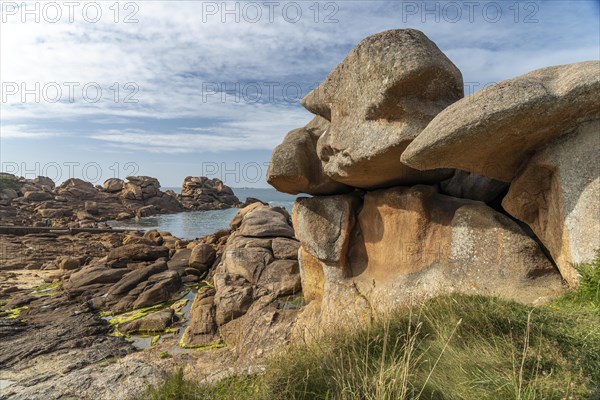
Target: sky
(169, 89)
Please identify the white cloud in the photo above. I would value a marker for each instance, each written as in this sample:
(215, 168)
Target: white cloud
(171, 51)
(26, 132)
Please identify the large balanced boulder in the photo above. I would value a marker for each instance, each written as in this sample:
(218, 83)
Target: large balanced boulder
(558, 195)
(295, 166)
(378, 99)
(495, 131)
(410, 244)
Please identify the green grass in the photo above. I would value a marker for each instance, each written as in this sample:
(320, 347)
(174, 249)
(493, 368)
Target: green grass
(233, 388)
(454, 347)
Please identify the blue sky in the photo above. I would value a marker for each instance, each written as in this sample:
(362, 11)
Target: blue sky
(169, 75)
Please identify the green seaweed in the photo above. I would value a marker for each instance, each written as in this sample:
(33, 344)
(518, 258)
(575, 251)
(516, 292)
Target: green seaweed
(47, 290)
(14, 313)
(215, 344)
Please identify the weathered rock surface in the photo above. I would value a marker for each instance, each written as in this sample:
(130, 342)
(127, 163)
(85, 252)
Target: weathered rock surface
(323, 225)
(258, 267)
(409, 244)
(378, 100)
(558, 195)
(113, 185)
(503, 124)
(295, 166)
(267, 222)
(202, 329)
(37, 196)
(202, 257)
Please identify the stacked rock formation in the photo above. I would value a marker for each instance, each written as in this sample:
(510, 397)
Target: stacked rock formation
(202, 193)
(418, 191)
(248, 302)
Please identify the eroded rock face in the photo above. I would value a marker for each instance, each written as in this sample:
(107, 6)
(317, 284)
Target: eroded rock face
(557, 194)
(295, 166)
(378, 100)
(503, 124)
(410, 244)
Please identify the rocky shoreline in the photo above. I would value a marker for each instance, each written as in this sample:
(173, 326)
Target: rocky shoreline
(77, 203)
(72, 304)
(416, 191)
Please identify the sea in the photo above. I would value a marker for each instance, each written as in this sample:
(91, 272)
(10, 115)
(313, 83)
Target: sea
(195, 224)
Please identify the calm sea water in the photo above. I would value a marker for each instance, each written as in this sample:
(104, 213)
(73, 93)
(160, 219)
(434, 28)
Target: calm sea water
(191, 225)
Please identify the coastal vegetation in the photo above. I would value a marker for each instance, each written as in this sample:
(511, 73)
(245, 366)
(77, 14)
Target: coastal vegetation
(451, 347)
